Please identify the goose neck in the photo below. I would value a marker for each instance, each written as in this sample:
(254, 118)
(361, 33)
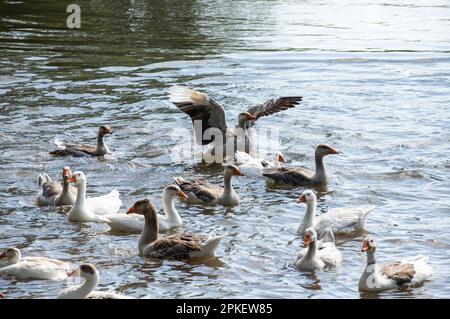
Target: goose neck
(169, 208)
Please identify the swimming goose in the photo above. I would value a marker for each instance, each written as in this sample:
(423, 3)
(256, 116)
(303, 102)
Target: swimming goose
(31, 267)
(86, 290)
(255, 166)
(326, 249)
(340, 220)
(409, 272)
(103, 205)
(133, 223)
(83, 150)
(208, 118)
(200, 192)
(178, 246)
(301, 176)
(52, 193)
(311, 261)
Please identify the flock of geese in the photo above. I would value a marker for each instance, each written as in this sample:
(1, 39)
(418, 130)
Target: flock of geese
(319, 252)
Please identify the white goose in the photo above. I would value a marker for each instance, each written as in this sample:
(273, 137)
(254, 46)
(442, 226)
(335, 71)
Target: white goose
(409, 272)
(31, 267)
(340, 220)
(326, 249)
(86, 290)
(134, 223)
(81, 212)
(255, 166)
(327, 257)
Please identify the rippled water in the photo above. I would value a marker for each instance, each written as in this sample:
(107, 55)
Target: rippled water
(375, 77)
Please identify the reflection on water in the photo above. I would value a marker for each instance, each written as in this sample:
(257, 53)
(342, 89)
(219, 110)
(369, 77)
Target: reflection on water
(375, 85)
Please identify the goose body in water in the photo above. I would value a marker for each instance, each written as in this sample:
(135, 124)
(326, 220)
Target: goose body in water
(178, 246)
(52, 193)
(134, 223)
(200, 192)
(208, 118)
(301, 176)
(12, 264)
(339, 220)
(98, 206)
(328, 256)
(326, 245)
(409, 272)
(78, 150)
(86, 290)
(255, 166)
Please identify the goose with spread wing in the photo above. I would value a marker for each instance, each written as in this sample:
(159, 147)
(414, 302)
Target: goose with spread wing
(78, 150)
(208, 118)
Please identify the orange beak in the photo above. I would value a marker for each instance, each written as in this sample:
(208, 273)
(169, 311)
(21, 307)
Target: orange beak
(238, 172)
(182, 194)
(365, 246)
(131, 210)
(2, 254)
(301, 199)
(106, 131)
(250, 116)
(72, 179)
(307, 240)
(281, 158)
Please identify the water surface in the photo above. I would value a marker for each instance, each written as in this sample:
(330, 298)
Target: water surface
(375, 77)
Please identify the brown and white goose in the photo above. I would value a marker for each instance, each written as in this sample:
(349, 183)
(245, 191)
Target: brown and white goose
(200, 192)
(302, 176)
(409, 272)
(178, 246)
(86, 150)
(208, 118)
(52, 193)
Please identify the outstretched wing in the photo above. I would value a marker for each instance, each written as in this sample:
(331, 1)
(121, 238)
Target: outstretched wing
(200, 107)
(274, 105)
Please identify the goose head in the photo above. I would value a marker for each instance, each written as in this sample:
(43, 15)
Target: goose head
(369, 245)
(77, 177)
(309, 237)
(307, 197)
(12, 255)
(142, 207)
(86, 271)
(104, 130)
(231, 169)
(244, 117)
(324, 150)
(67, 172)
(173, 191)
(279, 157)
